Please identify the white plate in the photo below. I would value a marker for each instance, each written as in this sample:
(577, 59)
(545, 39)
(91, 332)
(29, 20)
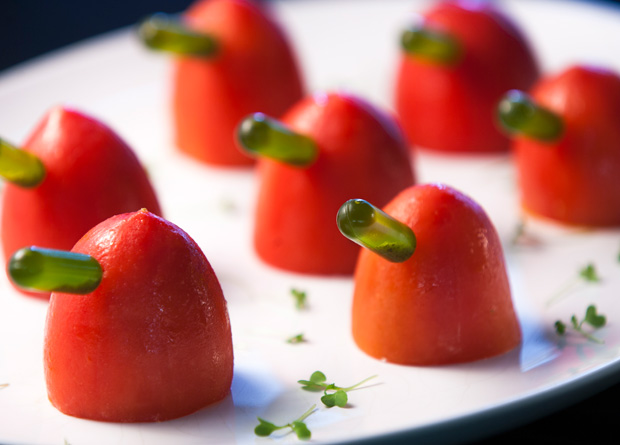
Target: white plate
(348, 44)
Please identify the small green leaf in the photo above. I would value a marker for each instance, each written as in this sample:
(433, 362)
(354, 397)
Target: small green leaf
(299, 338)
(264, 428)
(574, 322)
(329, 400)
(318, 377)
(311, 386)
(300, 298)
(316, 382)
(302, 431)
(560, 327)
(341, 398)
(589, 273)
(594, 319)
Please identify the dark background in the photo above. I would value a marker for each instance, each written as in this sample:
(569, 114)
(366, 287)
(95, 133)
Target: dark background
(33, 27)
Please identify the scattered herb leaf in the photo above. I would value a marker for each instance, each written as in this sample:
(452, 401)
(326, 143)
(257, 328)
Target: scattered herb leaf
(318, 377)
(228, 205)
(265, 428)
(332, 395)
(338, 398)
(519, 232)
(299, 338)
(522, 237)
(300, 298)
(302, 431)
(591, 317)
(316, 382)
(587, 274)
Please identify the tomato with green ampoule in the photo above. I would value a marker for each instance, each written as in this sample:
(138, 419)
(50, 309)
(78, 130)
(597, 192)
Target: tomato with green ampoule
(456, 65)
(89, 174)
(152, 342)
(566, 141)
(232, 59)
(352, 148)
(444, 297)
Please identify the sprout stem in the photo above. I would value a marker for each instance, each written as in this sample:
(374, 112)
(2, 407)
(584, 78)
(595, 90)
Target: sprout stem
(306, 414)
(349, 388)
(37, 269)
(587, 335)
(163, 33)
(19, 166)
(370, 227)
(431, 45)
(519, 114)
(264, 136)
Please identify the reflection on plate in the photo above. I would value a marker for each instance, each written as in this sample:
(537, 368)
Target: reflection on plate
(350, 45)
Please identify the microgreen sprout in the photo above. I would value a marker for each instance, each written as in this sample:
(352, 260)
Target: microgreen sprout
(586, 274)
(332, 395)
(591, 317)
(228, 205)
(299, 338)
(522, 237)
(300, 298)
(519, 232)
(589, 273)
(265, 428)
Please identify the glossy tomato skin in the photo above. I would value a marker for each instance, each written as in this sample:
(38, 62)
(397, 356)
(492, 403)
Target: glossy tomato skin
(362, 154)
(91, 174)
(451, 301)
(452, 108)
(575, 180)
(153, 341)
(254, 70)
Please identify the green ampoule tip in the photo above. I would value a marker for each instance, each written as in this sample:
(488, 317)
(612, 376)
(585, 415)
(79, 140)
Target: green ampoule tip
(164, 33)
(19, 166)
(518, 114)
(47, 270)
(261, 135)
(431, 45)
(370, 227)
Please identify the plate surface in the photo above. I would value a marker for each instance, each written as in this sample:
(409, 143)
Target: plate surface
(348, 45)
